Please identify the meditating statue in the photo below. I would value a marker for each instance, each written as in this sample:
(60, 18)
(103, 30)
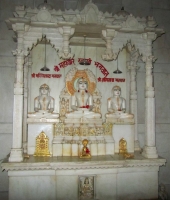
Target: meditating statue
(116, 105)
(44, 104)
(82, 102)
(85, 153)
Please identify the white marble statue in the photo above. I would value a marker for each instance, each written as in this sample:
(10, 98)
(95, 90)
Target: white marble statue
(116, 105)
(82, 102)
(44, 104)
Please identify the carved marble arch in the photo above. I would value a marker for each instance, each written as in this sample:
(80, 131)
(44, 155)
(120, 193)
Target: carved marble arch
(34, 35)
(69, 89)
(136, 40)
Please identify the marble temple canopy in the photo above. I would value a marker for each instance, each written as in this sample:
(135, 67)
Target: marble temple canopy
(63, 28)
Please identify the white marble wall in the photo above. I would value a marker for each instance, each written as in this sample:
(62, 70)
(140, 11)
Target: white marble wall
(159, 9)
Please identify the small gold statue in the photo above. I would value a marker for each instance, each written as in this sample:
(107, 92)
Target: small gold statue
(42, 145)
(85, 150)
(123, 149)
(122, 146)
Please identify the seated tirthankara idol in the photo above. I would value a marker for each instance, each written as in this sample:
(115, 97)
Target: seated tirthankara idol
(116, 106)
(44, 104)
(82, 102)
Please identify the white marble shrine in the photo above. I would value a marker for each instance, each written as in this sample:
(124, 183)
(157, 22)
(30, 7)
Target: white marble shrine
(72, 103)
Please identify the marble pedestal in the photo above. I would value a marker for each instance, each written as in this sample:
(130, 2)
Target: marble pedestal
(35, 127)
(125, 131)
(72, 145)
(79, 121)
(115, 178)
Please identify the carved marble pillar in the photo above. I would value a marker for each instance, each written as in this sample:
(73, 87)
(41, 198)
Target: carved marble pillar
(16, 154)
(108, 35)
(133, 99)
(66, 32)
(150, 150)
(25, 107)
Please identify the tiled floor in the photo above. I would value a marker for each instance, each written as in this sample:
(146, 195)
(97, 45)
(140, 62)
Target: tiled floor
(3, 195)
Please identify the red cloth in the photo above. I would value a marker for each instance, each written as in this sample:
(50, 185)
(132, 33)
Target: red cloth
(87, 150)
(87, 106)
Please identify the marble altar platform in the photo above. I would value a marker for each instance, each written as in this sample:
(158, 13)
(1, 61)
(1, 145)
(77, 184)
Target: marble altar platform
(115, 178)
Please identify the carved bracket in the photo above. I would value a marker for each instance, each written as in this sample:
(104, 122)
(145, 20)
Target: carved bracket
(134, 54)
(66, 32)
(108, 35)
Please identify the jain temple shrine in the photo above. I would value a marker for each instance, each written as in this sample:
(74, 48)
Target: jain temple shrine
(75, 107)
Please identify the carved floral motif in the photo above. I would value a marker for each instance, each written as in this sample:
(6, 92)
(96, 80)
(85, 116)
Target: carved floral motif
(86, 187)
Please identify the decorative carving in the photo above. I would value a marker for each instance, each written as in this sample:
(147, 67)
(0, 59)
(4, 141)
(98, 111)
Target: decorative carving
(86, 188)
(108, 35)
(64, 107)
(134, 54)
(149, 36)
(42, 148)
(74, 75)
(76, 131)
(68, 131)
(20, 10)
(99, 131)
(18, 52)
(96, 105)
(132, 23)
(59, 129)
(66, 32)
(43, 16)
(84, 130)
(92, 131)
(151, 22)
(107, 128)
(85, 153)
(149, 60)
(91, 14)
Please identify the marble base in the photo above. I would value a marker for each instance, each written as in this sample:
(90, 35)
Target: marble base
(120, 120)
(150, 152)
(72, 145)
(41, 120)
(16, 155)
(125, 131)
(79, 121)
(58, 178)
